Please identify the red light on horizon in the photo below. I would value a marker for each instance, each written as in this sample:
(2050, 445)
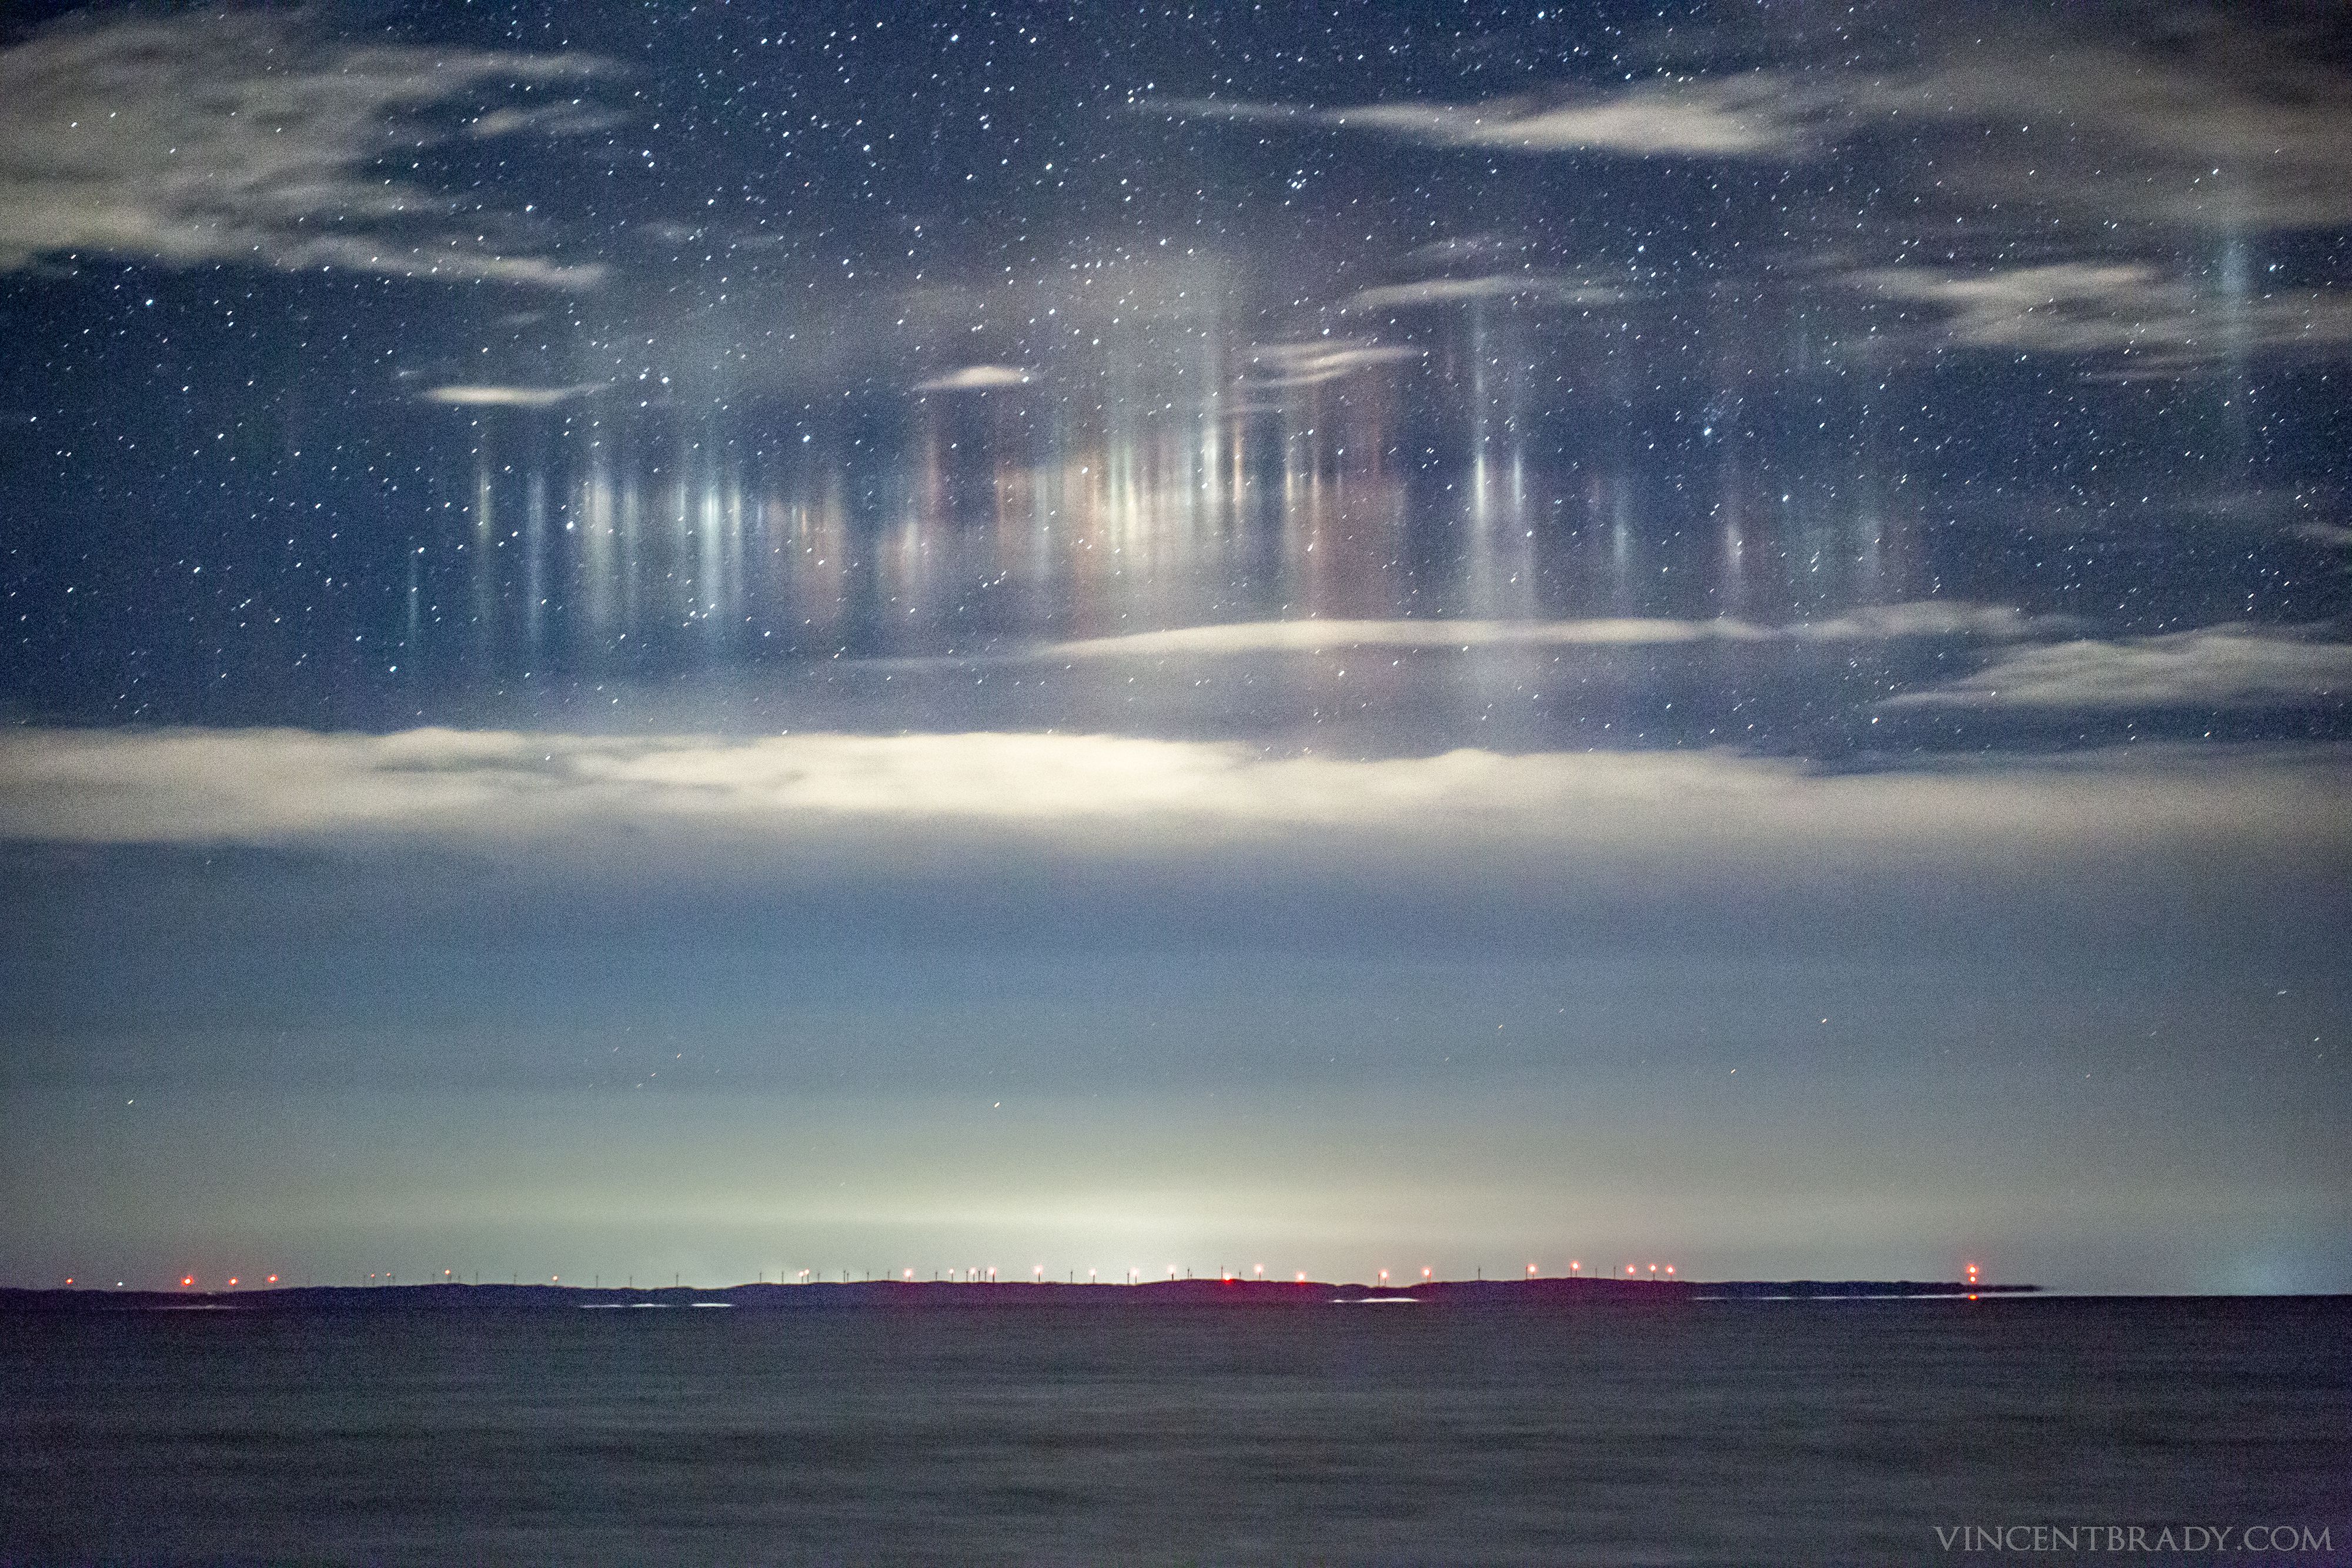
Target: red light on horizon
(189, 1281)
(273, 1279)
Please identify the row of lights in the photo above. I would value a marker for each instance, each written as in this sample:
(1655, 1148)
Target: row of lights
(1134, 1276)
(974, 1276)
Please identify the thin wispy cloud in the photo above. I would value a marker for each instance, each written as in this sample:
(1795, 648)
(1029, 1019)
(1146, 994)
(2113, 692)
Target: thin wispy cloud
(2161, 321)
(1933, 618)
(1312, 362)
(1754, 114)
(977, 378)
(2228, 124)
(2100, 148)
(1537, 287)
(2220, 125)
(2216, 667)
(477, 395)
(238, 137)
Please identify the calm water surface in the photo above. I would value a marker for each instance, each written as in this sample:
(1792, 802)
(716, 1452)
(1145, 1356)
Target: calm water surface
(1712, 1433)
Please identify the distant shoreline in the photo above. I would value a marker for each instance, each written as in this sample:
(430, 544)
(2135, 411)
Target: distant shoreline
(457, 1297)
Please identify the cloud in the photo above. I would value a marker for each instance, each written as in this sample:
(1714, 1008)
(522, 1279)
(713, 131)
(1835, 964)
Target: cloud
(2206, 120)
(1314, 360)
(2215, 667)
(1543, 287)
(2130, 309)
(1930, 618)
(1756, 114)
(2220, 123)
(571, 119)
(236, 136)
(1750, 115)
(738, 804)
(977, 378)
(478, 396)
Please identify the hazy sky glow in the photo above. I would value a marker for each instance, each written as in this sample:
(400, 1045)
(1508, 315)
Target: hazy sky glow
(646, 642)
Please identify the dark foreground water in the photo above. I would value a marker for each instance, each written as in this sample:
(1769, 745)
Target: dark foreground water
(1707, 1432)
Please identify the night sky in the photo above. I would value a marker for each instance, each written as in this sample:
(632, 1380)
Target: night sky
(728, 638)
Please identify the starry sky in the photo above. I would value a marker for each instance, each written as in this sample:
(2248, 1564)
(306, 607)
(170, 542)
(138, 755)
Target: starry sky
(720, 639)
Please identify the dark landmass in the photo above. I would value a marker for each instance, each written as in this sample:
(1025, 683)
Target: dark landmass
(951, 1296)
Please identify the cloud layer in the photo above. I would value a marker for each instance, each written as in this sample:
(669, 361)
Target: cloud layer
(599, 800)
(231, 137)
